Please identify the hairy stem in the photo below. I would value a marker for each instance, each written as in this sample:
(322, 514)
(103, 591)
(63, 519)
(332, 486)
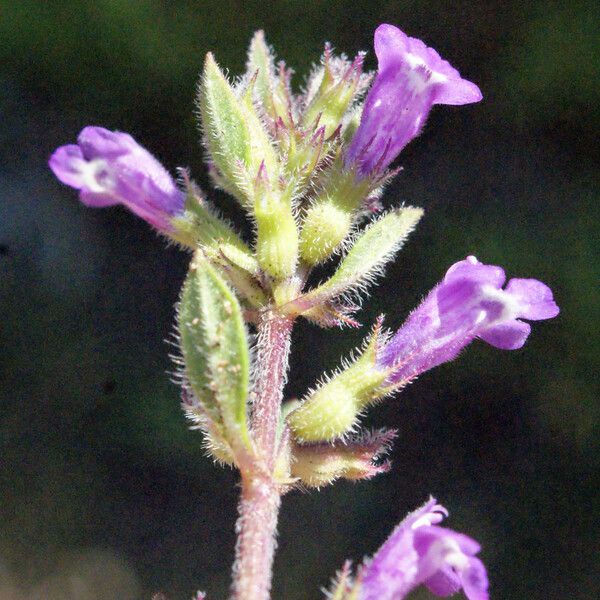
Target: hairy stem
(261, 497)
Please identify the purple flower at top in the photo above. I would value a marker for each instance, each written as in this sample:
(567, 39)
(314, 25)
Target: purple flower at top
(419, 552)
(410, 79)
(110, 167)
(469, 302)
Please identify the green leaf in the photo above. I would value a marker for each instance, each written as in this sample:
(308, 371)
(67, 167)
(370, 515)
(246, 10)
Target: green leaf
(270, 88)
(215, 349)
(340, 85)
(241, 272)
(235, 136)
(375, 246)
(201, 225)
(215, 444)
(260, 63)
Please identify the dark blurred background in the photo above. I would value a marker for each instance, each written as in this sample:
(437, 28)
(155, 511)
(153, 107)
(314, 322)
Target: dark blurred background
(104, 492)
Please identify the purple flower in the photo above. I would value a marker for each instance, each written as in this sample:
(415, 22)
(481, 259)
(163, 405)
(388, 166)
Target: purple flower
(420, 552)
(110, 167)
(411, 78)
(469, 302)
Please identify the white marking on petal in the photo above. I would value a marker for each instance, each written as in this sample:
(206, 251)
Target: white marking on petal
(510, 306)
(456, 559)
(480, 317)
(418, 82)
(415, 62)
(98, 176)
(445, 551)
(426, 520)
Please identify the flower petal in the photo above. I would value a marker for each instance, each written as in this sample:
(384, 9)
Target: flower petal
(475, 581)
(393, 47)
(458, 92)
(535, 299)
(68, 164)
(392, 571)
(428, 535)
(390, 44)
(443, 582)
(507, 336)
(110, 167)
(97, 142)
(143, 170)
(473, 270)
(97, 200)
(411, 78)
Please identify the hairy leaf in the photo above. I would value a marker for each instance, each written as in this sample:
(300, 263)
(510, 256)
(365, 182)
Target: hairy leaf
(215, 349)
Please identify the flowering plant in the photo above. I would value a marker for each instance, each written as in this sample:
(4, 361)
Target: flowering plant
(309, 170)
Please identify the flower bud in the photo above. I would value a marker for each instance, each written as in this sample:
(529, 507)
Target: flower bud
(332, 410)
(271, 90)
(276, 231)
(329, 220)
(325, 226)
(317, 465)
(304, 155)
(341, 81)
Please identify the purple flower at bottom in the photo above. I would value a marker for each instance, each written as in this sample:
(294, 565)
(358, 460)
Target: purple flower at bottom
(110, 167)
(469, 302)
(410, 79)
(419, 552)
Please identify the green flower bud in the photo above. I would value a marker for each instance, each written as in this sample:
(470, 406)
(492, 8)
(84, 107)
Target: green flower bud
(329, 220)
(276, 230)
(271, 89)
(324, 228)
(303, 157)
(332, 410)
(339, 86)
(317, 465)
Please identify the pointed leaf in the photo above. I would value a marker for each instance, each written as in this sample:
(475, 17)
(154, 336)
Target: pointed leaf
(375, 246)
(201, 224)
(260, 62)
(235, 136)
(215, 444)
(241, 273)
(215, 349)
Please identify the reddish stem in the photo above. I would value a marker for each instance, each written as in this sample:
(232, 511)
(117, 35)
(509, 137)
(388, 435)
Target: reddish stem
(261, 496)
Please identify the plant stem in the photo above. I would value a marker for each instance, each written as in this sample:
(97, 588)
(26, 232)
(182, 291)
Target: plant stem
(261, 497)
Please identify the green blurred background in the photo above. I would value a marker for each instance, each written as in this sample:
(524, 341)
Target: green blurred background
(104, 492)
